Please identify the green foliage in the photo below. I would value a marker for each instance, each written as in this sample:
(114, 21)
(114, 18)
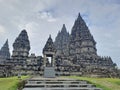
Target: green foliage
(104, 83)
(11, 83)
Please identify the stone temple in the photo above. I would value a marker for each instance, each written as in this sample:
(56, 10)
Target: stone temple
(21, 48)
(77, 51)
(72, 53)
(4, 52)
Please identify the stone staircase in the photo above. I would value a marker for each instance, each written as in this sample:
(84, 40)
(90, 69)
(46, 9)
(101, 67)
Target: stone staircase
(59, 84)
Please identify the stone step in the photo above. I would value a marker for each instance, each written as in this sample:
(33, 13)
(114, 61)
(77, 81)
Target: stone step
(47, 82)
(71, 88)
(52, 79)
(59, 85)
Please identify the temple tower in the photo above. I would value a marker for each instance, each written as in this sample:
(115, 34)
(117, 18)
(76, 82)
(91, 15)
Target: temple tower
(49, 53)
(4, 52)
(21, 47)
(61, 42)
(82, 43)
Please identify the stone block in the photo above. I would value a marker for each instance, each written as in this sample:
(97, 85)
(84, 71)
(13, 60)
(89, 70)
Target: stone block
(49, 72)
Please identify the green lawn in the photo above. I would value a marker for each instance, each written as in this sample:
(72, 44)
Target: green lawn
(10, 83)
(104, 83)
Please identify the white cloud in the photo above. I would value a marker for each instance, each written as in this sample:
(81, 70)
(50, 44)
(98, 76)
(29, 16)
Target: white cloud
(118, 43)
(47, 16)
(2, 30)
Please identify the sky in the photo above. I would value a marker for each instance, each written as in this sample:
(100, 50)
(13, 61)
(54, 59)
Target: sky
(43, 17)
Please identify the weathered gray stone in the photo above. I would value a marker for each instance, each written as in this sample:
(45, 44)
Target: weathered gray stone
(49, 72)
(61, 42)
(4, 52)
(77, 51)
(49, 51)
(21, 47)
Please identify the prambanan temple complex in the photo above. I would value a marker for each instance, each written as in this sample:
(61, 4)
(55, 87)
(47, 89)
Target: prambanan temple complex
(70, 54)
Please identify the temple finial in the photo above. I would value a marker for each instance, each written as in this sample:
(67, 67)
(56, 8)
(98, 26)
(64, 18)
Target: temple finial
(79, 14)
(6, 43)
(63, 28)
(63, 25)
(49, 35)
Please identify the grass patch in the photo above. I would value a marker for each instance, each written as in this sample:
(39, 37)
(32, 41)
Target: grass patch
(11, 83)
(104, 83)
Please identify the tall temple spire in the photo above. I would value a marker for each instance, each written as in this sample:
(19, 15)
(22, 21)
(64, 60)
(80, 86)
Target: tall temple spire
(79, 20)
(79, 14)
(4, 52)
(64, 28)
(79, 17)
(21, 46)
(50, 35)
(5, 45)
(79, 25)
(22, 41)
(50, 39)
(61, 41)
(79, 36)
